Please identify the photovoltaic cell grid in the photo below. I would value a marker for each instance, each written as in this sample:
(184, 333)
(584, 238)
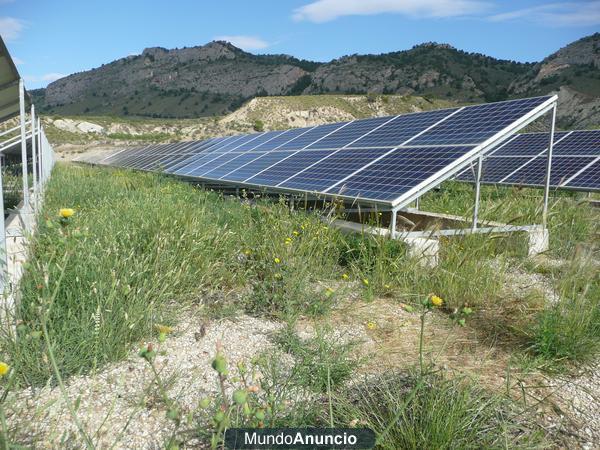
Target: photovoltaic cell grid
(523, 159)
(377, 159)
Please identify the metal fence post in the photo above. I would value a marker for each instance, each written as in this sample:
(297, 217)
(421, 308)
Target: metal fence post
(34, 158)
(23, 147)
(3, 252)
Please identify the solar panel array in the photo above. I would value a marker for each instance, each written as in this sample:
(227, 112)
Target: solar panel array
(382, 159)
(522, 161)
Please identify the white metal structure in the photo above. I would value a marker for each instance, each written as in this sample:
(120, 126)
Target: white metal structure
(27, 140)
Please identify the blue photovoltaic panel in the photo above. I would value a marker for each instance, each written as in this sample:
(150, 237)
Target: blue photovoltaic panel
(495, 169)
(232, 164)
(258, 139)
(288, 167)
(475, 124)
(348, 134)
(233, 143)
(563, 167)
(254, 167)
(582, 143)
(589, 179)
(204, 150)
(522, 160)
(281, 139)
(524, 145)
(398, 172)
(402, 128)
(334, 168)
(270, 141)
(311, 136)
(375, 159)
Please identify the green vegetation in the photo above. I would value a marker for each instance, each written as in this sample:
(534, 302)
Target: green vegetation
(434, 412)
(103, 278)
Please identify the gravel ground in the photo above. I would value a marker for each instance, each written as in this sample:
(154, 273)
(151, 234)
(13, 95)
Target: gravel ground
(577, 401)
(113, 405)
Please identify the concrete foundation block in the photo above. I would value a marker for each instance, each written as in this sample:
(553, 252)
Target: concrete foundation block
(539, 241)
(424, 249)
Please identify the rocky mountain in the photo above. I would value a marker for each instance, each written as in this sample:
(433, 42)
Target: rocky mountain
(217, 78)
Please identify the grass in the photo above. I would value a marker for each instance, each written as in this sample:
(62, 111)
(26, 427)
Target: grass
(320, 362)
(433, 412)
(569, 330)
(130, 261)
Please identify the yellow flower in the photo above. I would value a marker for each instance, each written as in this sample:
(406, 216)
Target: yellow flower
(164, 329)
(365, 282)
(329, 292)
(247, 252)
(277, 260)
(66, 212)
(345, 276)
(288, 241)
(371, 325)
(436, 301)
(387, 286)
(295, 233)
(4, 368)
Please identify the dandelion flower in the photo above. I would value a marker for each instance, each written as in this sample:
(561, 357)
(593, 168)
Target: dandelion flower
(436, 301)
(288, 241)
(371, 325)
(4, 368)
(295, 233)
(164, 329)
(387, 286)
(65, 213)
(277, 260)
(345, 276)
(247, 252)
(365, 282)
(329, 292)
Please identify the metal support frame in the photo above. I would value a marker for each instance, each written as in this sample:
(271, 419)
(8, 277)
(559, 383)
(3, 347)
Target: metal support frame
(477, 192)
(3, 252)
(34, 139)
(23, 146)
(393, 223)
(548, 170)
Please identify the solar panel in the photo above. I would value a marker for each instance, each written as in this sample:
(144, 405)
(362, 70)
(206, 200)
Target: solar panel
(384, 159)
(522, 161)
(398, 172)
(588, 179)
(475, 124)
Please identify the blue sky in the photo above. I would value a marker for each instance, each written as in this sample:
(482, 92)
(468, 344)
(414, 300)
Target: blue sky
(49, 39)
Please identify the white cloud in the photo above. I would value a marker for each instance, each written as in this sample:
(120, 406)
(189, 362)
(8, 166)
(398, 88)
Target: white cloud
(326, 10)
(46, 78)
(244, 42)
(575, 14)
(10, 28)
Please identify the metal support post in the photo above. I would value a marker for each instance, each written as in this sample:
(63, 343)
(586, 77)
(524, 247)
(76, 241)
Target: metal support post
(40, 153)
(417, 203)
(34, 139)
(393, 224)
(23, 146)
(548, 170)
(3, 253)
(477, 192)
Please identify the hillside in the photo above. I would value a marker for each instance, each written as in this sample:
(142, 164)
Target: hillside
(74, 134)
(217, 78)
